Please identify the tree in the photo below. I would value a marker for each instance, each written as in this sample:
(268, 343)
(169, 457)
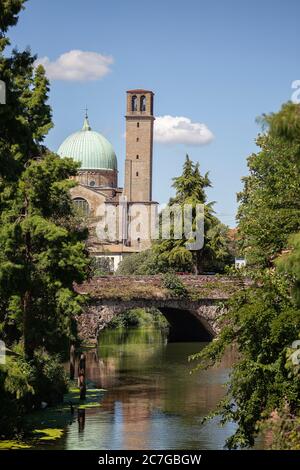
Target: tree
(143, 263)
(42, 253)
(263, 321)
(42, 245)
(175, 254)
(289, 263)
(26, 117)
(269, 208)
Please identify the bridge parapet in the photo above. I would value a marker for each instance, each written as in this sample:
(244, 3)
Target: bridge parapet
(152, 287)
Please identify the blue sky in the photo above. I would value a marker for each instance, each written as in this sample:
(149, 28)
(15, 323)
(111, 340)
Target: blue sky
(221, 63)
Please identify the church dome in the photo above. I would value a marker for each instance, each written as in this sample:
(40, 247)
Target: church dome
(90, 148)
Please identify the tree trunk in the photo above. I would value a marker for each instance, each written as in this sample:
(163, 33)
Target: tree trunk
(27, 327)
(81, 376)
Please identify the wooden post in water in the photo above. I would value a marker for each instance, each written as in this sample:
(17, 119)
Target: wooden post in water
(72, 362)
(81, 377)
(82, 362)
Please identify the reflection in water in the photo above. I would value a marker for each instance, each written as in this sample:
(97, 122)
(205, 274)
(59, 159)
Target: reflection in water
(152, 400)
(81, 420)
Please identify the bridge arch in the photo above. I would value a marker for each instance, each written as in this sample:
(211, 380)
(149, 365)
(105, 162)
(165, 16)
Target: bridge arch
(186, 326)
(187, 322)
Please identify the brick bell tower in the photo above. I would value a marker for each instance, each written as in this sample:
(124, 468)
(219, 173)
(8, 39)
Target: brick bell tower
(139, 146)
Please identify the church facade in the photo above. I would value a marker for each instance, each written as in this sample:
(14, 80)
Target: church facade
(120, 219)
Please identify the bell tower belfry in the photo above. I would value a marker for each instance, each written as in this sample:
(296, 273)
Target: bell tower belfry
(139, 145)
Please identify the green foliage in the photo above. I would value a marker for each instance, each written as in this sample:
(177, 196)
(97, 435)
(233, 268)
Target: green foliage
(175, 285)
(139, 317)
(168, 255)
(50, 379)
(42, 243)
(143, 263)
(269, 210)
(285, 431)
(42, 254)
(9, 11)
(100, 266)
(24, 385)
(17, 376)
(174, 254)
(290, 264)
(262, 322)
(190, 186)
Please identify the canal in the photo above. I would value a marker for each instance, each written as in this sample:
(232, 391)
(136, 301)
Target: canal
(152, 401)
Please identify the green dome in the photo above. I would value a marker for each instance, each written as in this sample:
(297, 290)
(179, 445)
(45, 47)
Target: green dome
(90, 148)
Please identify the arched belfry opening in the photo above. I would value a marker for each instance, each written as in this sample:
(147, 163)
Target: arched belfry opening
(143, 103)
(134, 103)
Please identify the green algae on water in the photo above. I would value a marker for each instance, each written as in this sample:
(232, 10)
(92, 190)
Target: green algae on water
(48, 434)
(13, 445)
(89, 405)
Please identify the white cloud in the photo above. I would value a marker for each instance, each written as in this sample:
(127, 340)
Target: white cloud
(181, 130)
(77, 65)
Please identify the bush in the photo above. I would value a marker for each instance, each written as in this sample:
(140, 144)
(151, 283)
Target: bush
(174, 284)
(101, 266)
(139, 317)
(143, 263)
(16, 391)
(50, 379)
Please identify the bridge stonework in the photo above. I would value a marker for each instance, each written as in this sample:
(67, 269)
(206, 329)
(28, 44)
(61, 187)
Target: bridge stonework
(192, 318)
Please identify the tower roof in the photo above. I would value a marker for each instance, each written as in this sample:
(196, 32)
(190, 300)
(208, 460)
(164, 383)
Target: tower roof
(90, 148)
(140, 90)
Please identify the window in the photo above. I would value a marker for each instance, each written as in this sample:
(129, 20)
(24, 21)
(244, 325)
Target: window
(137, 157)
(134, 103)
(81, 206)
(137, 124)
(104, 264)
(143, 103)
(137, 139)
(137, 173)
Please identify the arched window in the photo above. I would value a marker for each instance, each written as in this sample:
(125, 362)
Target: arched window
(134, 103)
(137, 157)
(137, 124)
(81, 205)
(137, 173)
(143, 103)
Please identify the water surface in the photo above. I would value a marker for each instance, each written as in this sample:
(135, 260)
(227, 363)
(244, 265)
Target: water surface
(152, 400)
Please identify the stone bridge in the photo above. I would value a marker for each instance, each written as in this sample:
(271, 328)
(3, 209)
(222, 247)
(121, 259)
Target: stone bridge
(192, 317)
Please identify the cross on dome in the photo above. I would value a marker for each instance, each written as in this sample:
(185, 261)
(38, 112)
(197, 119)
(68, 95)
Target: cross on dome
(86, 125)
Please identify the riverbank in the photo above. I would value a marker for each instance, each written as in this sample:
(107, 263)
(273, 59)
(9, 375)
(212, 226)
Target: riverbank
(47, 425)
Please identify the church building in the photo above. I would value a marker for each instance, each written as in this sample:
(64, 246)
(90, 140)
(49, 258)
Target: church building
(98, 191)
